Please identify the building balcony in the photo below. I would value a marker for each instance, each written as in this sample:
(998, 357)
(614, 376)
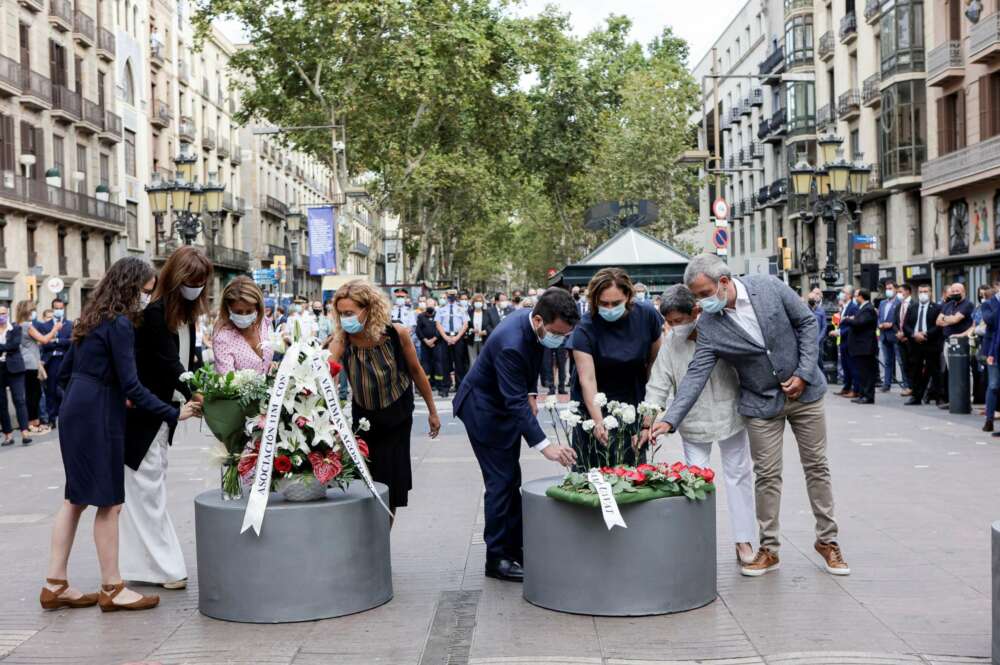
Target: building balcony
(228, 257)
(223, 149)
(749, 203)
(734, 113)
(204, 88)
(793, 7)
(237, 157)
(39, 199)
(275, 250)
(764, 129)
(157, 54)
(763, 195)
(984, 40)
(776, 127)
(873, 11)
(208, 140)
(945, 64)
(737, 210)
(61, 15)
(239, 206)
(273, 206)
(801, 59)
(724, 123)
(871, 93)
(779, 190)
(228, 201)
(757, 97)
(772, 66)
(92, 120)
(162, 115)
(824, 116)
(66, 104)
(105, 44)
(848, 28)
(974, 163)
(33, 5)
(10, 77)
(112, 131)
(849, 105)
(745, 107)
(183, 72)
(875, 180)
(826, 43)
(84, 29)
(361, 249)
(185, 129)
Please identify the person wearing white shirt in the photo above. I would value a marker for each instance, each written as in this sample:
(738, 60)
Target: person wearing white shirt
(478, 326)
(299, 325)
(452, 355)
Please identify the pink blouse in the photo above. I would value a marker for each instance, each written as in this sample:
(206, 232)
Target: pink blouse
(232, 351)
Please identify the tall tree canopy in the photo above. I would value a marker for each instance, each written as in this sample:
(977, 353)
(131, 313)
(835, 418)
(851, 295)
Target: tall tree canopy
(489, 134)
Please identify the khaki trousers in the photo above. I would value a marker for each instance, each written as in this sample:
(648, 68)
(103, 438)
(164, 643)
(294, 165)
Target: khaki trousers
(808, 423)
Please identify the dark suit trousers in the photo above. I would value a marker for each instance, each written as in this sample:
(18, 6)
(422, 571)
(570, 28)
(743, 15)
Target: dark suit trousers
(428, 360)
(925, 369)
(554, 362)
(53, 395)
(14, 381)
(452, 358)
(867, 370)
(851, 381)
(501, 468)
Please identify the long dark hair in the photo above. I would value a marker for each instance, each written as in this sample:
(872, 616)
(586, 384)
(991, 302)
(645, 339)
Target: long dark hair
(187, 265)
(116, 294)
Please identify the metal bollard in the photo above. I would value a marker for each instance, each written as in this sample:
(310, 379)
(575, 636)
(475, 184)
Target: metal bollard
(958, 376)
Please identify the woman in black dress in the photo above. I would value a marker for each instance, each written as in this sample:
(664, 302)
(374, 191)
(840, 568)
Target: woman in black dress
(381, 365)
(98, 376)
(614, 347)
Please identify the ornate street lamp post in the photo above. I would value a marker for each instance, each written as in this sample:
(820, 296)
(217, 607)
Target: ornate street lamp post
(835, 189)
(188, 202)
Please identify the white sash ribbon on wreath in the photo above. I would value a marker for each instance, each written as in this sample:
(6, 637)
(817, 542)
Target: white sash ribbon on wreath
(609, 507)
(261, 488)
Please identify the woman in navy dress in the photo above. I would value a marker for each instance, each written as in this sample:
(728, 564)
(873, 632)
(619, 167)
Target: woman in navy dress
(99, 376)
(614, 347)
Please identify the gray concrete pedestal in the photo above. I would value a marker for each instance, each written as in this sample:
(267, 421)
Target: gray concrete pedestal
(663, 562)
(312, 560)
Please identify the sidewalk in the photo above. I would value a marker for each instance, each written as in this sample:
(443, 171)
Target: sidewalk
(916, 492)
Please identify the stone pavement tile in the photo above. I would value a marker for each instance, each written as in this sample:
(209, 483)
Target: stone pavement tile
(838, 657)
(509, 626)
(707, 633)
(203, 640)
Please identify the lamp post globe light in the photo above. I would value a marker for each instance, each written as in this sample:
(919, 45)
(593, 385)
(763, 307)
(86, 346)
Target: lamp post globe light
(188, 202)
(834, 189)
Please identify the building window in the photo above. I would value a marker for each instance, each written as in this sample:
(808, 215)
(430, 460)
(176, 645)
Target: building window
(105, 173)
(59, 157)
(32, 254)
(989, 105)
(800, 101)
(958, 227)
(132, 224)
(128, 84)
(29, 146)
(763, 233)
(107, 253)
(902, 38)
(81, 167)
(854, 144)
(130, 153)
(903, 140)
(916, 227)
(951, 122)
(85, 254)
(63, 270)
(883, 230)
(799, 41)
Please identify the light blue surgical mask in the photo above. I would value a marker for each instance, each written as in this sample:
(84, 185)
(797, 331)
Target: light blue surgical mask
(612, 313)
(351, 324)
(713, 304)
(552, 340)
(58, 314)
(242, 321)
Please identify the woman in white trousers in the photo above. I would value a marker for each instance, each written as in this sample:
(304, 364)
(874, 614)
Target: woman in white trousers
(714, 417)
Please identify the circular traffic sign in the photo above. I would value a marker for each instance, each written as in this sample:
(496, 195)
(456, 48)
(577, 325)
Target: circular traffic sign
(55, 285)
(720, 208)
(720, 238)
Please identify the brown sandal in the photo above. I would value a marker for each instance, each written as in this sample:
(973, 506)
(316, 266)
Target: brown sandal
(110, 591)
(53, 600)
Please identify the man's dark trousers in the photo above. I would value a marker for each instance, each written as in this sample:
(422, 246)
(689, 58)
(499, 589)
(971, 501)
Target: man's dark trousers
(867, 369)
(452, 358)
(501, 468)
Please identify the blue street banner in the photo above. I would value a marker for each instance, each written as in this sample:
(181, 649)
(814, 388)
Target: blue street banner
(322, 240)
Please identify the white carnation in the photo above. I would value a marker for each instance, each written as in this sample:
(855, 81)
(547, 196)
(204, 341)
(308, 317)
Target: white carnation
(600, 400)
(573, 405)
(570, 418)
(588, 425)
(649, 409)
(551, 402)
(186, 376)
(627, 414)
(610, 422)
(364, 425)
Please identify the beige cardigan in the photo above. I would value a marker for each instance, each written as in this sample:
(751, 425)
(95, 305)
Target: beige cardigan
(714, 416)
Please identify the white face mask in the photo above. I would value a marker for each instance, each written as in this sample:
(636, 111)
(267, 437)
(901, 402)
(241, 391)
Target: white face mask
(684, 330)
(924, 298)
(144, 300)
(242, 321)
(191, 292)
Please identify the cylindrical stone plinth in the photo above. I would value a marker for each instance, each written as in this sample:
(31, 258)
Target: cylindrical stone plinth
(996, 593)
(312, 560)
(663, 562)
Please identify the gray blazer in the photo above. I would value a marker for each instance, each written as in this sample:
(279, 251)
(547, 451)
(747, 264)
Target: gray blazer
(790, 333)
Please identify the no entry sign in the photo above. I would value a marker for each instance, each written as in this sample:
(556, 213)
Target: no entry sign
(720, 208)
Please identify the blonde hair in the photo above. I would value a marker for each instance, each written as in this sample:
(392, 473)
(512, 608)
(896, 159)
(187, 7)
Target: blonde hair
(23, 311)
(242, 288)
(368, 298)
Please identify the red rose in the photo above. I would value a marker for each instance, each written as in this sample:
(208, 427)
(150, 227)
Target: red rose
(635, 477)
(696, 470)
(607, 469)
(282, 464)
(646, 467)
(363, 447)
(708, 475)
(674, 476)
(335, 367)
(621, 472)
(301, 422)
(677, 467)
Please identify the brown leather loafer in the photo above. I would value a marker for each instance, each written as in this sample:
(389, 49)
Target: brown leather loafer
(110, 591)
(53, 600)
(833, 558)
(763, 563)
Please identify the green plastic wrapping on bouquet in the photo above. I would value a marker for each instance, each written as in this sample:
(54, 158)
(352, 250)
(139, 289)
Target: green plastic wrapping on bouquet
(227, 420)
(638, 496)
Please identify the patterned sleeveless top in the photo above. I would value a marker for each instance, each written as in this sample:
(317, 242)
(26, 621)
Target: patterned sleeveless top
(378, 375)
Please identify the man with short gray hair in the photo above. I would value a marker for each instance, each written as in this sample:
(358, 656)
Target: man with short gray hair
(762, 328)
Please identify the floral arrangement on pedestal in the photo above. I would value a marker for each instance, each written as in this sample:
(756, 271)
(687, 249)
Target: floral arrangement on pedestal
(310, 455)
(634, 484)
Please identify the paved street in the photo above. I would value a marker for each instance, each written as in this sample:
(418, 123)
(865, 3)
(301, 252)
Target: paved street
(916, 492)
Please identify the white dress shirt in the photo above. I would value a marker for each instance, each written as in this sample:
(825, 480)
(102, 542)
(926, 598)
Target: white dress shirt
(743, 314)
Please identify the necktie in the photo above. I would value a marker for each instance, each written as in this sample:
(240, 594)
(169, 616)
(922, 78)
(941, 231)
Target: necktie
(921, 319)
(902, 316)
(451, 319)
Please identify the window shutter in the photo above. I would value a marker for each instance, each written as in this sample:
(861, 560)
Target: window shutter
(39, 145)
(942, 125)
(994, 103)
(984, 108)
(960, 119)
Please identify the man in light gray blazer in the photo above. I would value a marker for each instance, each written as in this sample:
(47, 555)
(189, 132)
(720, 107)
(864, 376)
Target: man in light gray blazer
(764, 330)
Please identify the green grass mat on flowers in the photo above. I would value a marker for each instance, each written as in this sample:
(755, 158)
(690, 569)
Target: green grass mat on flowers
(639, 495)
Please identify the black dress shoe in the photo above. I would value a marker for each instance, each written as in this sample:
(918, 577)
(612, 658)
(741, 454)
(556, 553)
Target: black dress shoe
(913, 401)
(505, 569)
(886, 389)
(996, 434)
(7, 442)
(862, 400)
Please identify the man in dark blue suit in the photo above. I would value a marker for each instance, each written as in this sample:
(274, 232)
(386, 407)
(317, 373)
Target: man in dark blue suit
(52, 356)
(991, 344)
(848, 308)
(496, 402)
(888, 313)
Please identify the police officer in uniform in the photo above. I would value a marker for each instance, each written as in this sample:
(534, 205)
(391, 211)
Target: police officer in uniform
(452, 321)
